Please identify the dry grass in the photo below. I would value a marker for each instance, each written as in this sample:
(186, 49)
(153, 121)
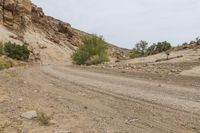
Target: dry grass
(44, 119)
(4, 64)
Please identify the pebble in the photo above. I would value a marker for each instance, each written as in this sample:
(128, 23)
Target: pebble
(23, 130)
(35, 91)
(20, 99)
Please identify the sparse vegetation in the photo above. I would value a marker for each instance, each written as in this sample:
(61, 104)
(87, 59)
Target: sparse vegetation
(15, 51)
(158, 48)
(92, 51)
(142, 49)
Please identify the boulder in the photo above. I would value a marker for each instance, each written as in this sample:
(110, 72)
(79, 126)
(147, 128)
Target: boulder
(29, 115)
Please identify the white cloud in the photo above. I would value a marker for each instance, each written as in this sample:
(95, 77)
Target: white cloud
(124, 22)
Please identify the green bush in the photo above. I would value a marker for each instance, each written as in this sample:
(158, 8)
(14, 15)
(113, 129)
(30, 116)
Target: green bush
(92, 51)
(15, 51)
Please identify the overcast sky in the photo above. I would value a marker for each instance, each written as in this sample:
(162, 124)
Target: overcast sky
(125, 22)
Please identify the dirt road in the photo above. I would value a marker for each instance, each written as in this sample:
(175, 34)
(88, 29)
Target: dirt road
(84, 101)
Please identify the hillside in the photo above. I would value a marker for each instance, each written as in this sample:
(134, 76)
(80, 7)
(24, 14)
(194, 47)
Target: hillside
(50, 40)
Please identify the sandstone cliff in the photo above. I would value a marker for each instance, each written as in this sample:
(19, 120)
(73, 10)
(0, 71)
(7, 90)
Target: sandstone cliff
(50, 39)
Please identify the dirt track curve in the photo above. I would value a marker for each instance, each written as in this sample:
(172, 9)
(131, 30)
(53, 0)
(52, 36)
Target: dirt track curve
(85, 101)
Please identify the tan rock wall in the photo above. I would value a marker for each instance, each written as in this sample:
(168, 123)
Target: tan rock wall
(15, 14)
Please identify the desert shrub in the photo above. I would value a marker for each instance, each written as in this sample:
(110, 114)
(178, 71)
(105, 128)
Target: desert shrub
(15, 51)
(92, 51)
(44, 119)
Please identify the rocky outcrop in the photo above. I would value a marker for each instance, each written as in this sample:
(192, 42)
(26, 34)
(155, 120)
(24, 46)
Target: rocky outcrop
(16, 14)
(21, 15)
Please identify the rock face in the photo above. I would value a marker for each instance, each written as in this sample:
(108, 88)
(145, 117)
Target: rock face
(15, 14)
(21, 15)
(29, 23)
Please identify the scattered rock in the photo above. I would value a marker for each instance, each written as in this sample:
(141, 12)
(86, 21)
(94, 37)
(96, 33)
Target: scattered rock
(29, 115)
(52, 122)
(22, 130)
(20, 99)
(35, 91)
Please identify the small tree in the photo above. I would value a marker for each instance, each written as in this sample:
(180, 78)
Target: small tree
(163, 46)
(141, 47)
(92, 51)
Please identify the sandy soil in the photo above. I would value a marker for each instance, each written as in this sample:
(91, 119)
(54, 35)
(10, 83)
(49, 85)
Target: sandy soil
(97, 101)
(193, 72)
